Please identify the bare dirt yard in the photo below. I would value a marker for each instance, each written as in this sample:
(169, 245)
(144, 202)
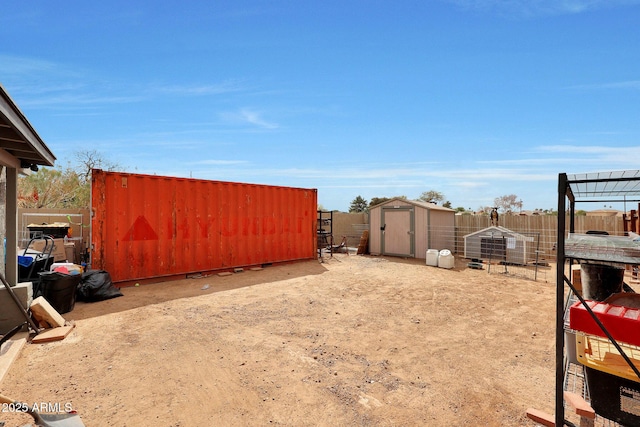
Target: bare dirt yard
(352, 341)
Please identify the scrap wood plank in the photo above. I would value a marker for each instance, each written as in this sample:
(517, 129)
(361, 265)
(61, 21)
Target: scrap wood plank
(10, 350)
(45, 314)
(53, 334)
(581, 406)
(362, 246)
(541, 417)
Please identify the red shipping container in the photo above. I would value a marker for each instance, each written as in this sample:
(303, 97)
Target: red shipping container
(147, 226)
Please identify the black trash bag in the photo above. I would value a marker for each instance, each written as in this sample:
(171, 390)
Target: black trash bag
(96, 285)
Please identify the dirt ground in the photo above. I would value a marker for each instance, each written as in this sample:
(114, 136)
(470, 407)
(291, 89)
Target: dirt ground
(352, 341)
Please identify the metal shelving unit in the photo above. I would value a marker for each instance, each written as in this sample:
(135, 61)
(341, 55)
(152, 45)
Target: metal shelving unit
(324, 231)
(598, 187)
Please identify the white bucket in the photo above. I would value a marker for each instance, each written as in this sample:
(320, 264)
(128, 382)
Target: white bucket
(570, 347)
(445, 259)
(432, 257)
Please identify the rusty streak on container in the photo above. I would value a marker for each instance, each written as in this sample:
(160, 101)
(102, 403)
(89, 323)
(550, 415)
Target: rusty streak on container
(146, 227)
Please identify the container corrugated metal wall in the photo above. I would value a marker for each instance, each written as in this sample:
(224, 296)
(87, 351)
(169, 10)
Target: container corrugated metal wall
(147, 226)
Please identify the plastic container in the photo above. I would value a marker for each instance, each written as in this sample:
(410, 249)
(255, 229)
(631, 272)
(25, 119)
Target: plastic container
(432, 257)
(570, 346)
(59, 290)
(445, 259)
(623, 323)
(614, 398)
(55, 230)
(570, 334)
(600, 354)
(70, 267)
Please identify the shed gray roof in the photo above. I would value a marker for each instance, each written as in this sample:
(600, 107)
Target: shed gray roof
(18, 138)
(500, 230)
(418, 203)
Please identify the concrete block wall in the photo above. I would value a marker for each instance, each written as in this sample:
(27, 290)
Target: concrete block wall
(10, 314)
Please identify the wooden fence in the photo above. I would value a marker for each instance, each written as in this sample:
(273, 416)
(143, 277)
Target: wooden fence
(347, 225)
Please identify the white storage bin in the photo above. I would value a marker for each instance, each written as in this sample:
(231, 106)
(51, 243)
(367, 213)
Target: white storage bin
(432, 257)
(445, 259)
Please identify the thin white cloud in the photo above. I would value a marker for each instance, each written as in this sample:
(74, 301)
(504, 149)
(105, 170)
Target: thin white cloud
(376, 176)
(255, 118)
(35, 75)
(217, 162)
(201, 90)
(471, 184)
(523, 162)
(532, 8)
(603, 153)
(629, 84)
(19, 65)
(75, 100)
(248, 116)
(40, 83)
(46, 89)
(574, 148)
(476, 185)
(358, 186)
(614, 158)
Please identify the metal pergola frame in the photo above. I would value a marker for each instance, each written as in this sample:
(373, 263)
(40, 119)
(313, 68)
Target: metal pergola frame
(596, 187)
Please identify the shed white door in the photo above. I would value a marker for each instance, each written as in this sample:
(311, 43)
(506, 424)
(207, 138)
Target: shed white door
(397, 237)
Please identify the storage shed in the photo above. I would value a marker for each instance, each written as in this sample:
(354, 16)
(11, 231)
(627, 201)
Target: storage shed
(500, 244)
(408, 228)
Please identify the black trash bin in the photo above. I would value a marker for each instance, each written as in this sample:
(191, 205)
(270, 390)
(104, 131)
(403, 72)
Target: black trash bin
(614, 397)
(59, 290)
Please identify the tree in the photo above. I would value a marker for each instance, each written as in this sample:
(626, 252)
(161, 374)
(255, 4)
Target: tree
(485, 210)
(377, 200)
(359, 204)
(508, 203)
(431, 196)
(51, 188)
(87, 160)
(62, 188)
(447, 204)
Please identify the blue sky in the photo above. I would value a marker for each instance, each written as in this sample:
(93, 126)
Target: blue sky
(476, 99)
